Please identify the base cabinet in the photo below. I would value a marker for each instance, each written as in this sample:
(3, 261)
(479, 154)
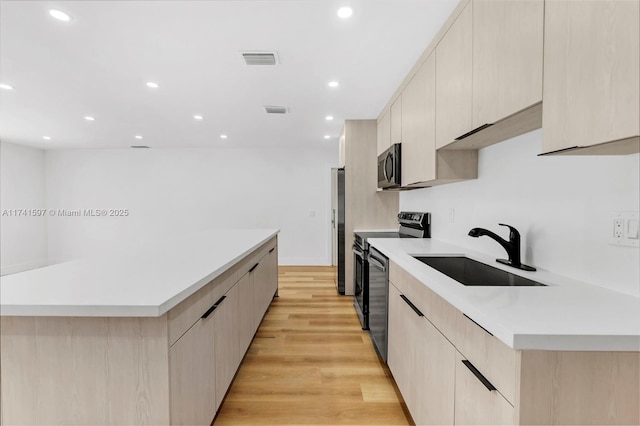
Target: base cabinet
(475, 403)
(173, 369)
(403, 326)
(263, 280)
(192, 375)
(226, 333)
(422, 362)
(247, 317)
(450, 370)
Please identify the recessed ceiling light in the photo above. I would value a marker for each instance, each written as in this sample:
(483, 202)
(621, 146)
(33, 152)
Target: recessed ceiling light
(329, 117)
(327, 137)
(46, 138)
(223, 136)
(198, 117)
(5, 86)
(89, 118)
(345, 12)
(138, 137)
(60, 15)
(152, 84)
(334, 84)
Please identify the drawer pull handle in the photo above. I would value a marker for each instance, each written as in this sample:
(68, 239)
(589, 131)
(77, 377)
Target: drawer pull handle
(479, 375)
(271, 251)
(476, 130)
(254, 267)
(416, 310)
(488, 332)
(213, 308)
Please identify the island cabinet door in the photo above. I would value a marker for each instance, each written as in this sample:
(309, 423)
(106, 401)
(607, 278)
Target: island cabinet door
(265, 284)
(246, 312)
(192, 375)
(258, 276)
(227, 343)
(272, 273)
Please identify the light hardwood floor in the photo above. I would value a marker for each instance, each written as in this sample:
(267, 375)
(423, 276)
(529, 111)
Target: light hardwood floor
(311, 363)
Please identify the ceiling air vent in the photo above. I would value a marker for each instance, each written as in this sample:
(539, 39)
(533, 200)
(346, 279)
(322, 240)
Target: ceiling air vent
(260, 58)
(139, 146)
(275, 109)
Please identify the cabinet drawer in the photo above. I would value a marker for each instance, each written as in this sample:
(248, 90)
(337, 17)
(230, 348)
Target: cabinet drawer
(410, 287)
(494, 359)
(437, 310)
(251, 260)
(183, 316)
(475, 403)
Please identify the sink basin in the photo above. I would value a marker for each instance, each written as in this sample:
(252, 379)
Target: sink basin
(470, 272)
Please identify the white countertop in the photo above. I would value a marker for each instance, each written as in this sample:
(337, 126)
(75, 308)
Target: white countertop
(146, 282)
(565, 315)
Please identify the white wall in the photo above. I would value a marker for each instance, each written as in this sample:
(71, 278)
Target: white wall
(23, 244)
(562, 207)
(170, 191)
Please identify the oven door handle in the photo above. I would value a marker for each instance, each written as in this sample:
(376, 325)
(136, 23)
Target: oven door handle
(358, 252)
(377, 263)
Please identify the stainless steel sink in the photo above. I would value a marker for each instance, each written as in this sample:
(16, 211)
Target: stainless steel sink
(470, 272)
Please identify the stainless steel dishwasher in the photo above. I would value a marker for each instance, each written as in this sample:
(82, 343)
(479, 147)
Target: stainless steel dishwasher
(378, 300)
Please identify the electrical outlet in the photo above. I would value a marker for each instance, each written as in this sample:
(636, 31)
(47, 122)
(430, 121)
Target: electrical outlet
(618, 228)
(625, 229)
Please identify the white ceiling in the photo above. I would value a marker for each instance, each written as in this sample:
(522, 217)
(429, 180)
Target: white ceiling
(98, 63)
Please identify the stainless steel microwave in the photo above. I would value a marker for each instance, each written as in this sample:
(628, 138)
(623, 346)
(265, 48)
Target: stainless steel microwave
(389, 168)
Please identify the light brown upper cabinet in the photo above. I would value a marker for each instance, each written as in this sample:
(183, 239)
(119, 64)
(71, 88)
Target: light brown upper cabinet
(384, 132)
(507, 58)
(418, 126)
(454, 80)
(396, 121)
(422, 165)
(506, 73)
(591, 77)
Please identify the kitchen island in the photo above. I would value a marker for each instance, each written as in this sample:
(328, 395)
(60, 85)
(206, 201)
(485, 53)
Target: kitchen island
(564, 353)
(153, 336)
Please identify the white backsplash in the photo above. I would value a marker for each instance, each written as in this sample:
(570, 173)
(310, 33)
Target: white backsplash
(562, 207)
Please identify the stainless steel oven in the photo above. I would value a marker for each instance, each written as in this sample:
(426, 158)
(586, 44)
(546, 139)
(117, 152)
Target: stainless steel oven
(360, 276)
(412, 225)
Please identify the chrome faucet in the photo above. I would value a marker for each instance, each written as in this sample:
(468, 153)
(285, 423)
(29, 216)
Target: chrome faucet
(512, 246)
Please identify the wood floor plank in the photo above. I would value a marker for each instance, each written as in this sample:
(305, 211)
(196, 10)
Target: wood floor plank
(311, 363)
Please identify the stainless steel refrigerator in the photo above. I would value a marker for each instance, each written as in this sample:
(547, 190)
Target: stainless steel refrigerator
(337, 221)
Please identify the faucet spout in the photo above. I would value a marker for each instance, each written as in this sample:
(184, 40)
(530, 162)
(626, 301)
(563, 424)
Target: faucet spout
(512, 246)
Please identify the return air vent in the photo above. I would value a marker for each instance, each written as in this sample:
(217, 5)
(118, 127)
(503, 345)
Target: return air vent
(275, 109)
(139, 146)
(260, 58)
